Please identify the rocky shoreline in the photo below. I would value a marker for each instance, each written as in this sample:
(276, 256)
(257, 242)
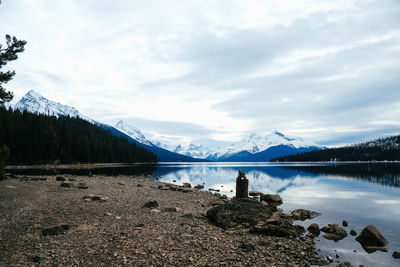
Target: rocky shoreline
(137, 221)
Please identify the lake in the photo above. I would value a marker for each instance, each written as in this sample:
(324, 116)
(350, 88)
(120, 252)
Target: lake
(361, 194)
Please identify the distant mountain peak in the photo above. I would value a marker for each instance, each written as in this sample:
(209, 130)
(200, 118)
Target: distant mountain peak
(34, 102)
(132, 131)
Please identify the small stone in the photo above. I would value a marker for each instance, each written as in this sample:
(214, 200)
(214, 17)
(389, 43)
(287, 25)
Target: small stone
(396, 254)
(82, 186)
(36, 259)
(118, 217)
(151, 204)
(344, 264)
(103, 199)
(353, 232)
(345, 223)
(187, 185)
(174, 181)
(69, 185)
(60, 178)
(171, 209)
(55, 230)
(108, 214)
(72, 179)
(155, 210)
(160, 187)
(199, 186)
(121, 183)
(139, 185)
(247, 247)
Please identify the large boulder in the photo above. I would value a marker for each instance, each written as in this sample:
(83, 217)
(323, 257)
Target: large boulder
(371, 239)
(151, 204)
(246, 212)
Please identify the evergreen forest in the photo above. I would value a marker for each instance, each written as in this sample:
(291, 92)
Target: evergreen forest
(383, 149)
(37, 139)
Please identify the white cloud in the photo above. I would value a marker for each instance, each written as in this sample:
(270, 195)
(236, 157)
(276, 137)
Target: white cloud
(321, 69)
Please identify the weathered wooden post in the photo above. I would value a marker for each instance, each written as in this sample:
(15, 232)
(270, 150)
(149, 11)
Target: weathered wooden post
(242, 185)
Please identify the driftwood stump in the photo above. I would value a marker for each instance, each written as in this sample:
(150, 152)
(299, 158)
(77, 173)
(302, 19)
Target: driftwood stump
(242, 185)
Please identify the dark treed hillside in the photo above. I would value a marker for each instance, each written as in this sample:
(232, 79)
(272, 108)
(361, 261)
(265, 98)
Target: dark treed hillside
(377, 150)
(34, 138)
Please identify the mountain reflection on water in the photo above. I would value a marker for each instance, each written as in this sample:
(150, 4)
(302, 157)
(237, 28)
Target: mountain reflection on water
(362, 194)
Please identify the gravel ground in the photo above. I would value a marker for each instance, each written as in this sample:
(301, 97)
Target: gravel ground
(120, 231)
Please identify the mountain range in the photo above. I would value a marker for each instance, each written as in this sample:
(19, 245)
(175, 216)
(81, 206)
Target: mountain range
(255, 148)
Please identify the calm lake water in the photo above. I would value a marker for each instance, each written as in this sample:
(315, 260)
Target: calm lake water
(361, 193)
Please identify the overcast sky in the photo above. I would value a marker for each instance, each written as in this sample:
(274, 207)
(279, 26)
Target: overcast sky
(207, 71)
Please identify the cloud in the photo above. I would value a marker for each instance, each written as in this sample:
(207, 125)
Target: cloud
(216, 70)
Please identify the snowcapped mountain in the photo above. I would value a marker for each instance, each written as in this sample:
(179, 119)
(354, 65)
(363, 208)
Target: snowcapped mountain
(254, 148)
(256, 144)
(35, 103)
(195, 151)
(132, 132)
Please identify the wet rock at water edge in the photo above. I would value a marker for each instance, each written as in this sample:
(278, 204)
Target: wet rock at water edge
(344, 264)
(199, 186)
(302, 214)
(345, 223)
(353, 232)
(65, 184)
(314, 229)
(55, 230)
(272, 200)
(396, 254)
(187, 185)
(60, 178)
(151, 204)
(334, 232)
(371, 239)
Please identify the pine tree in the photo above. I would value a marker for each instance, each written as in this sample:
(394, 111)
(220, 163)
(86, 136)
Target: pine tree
(14, 46)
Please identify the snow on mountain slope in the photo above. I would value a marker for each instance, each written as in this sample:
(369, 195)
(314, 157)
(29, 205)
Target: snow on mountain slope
(133, 132)
(35, 103)
(195, 151)
(255, 144)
